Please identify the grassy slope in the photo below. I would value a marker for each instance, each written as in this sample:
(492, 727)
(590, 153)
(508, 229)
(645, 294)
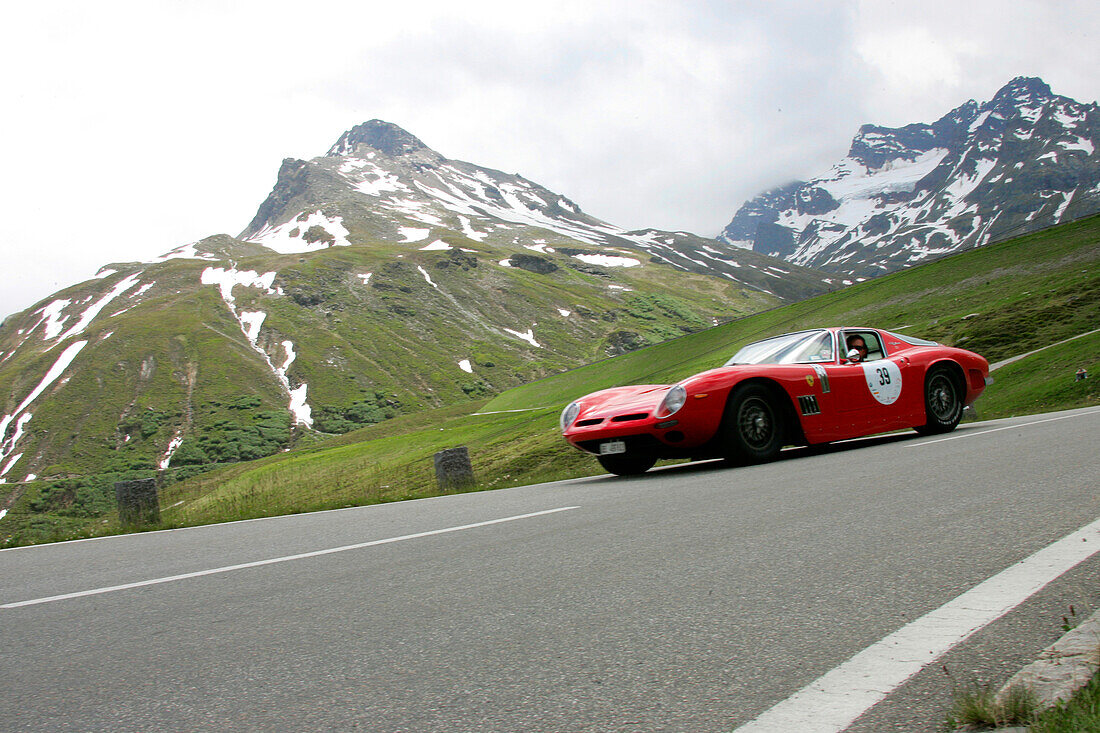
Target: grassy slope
(1045, 381)
(1002, 300)
(1026, 293)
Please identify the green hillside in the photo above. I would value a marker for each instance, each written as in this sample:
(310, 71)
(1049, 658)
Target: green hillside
(1001, 301)
(376, 330)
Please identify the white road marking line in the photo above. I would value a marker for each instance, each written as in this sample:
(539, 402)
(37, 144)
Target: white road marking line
(833, 701)
(274, 560)
(1006, 427)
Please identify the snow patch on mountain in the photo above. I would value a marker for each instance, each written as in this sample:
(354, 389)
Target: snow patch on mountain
(412, 234)
(227, 277)
(51, 316)
(10, 464)
(427, 277)
(436, 246)
(850, 179)
(528, 336)
(1079, 144)
(303, 234)
(173, 444)
(252, 321)
(92, 311)
(608, 260)
(369, 178)
(20, 416)
(1062, 206)
(185, 252)
(299, 407)
(413, 209)
(521, 204)
(469, 232)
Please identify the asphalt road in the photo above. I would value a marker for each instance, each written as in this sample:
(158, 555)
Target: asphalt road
(693, 598)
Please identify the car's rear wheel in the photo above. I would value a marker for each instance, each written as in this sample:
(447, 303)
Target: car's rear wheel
(753, 426)
(627, 464)
(943, 402)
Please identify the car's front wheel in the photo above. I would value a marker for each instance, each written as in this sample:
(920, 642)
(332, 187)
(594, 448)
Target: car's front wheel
(943, 404)
(627, 464)
(752, 427)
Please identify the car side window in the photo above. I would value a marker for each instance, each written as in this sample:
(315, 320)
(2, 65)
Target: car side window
(870, 338)
(874, 345)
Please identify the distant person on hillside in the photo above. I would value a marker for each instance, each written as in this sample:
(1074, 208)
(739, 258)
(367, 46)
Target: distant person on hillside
(1082, 375)
(855, 341)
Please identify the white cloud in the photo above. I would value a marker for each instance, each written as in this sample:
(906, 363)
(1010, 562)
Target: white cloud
(139, 126)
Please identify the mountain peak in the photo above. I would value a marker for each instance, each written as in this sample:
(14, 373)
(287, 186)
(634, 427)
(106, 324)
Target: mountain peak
(383, 136)
(1024, 160)
(1022, 89)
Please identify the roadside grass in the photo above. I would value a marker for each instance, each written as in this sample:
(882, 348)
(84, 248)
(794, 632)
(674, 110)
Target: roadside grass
(1045, 381)
(1079, 714)
(506, 450)
(976, 708)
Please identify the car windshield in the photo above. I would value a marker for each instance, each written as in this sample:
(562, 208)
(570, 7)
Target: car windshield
(792, 348)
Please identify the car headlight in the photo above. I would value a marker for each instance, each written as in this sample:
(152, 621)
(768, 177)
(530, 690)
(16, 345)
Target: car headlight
(569, 414)
(672, 402)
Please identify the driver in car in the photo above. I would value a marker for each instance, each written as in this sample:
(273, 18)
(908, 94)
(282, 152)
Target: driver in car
(856, 343)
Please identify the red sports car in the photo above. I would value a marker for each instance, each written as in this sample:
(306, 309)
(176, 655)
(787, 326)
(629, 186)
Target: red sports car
(801, 388)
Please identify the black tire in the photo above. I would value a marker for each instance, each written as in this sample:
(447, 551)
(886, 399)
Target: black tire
(943, 402)
(627, 464)
(752, 429)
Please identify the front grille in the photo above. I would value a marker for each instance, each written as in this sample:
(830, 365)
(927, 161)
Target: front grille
(589, 421)
(632, 416)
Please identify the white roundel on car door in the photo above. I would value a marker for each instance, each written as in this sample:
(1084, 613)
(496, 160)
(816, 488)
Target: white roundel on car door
(884, 380)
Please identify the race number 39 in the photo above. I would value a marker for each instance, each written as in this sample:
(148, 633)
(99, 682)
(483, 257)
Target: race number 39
(884, 380)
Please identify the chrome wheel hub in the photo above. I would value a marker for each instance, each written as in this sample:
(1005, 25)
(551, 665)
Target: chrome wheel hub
(755, 423)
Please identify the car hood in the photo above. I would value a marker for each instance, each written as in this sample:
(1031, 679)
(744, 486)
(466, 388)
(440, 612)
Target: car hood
(634, 398)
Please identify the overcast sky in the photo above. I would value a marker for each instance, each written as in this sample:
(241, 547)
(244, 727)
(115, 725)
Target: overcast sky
(131, 128)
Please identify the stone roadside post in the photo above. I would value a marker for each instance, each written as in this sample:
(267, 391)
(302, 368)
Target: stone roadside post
(138, 503)
(453, 471)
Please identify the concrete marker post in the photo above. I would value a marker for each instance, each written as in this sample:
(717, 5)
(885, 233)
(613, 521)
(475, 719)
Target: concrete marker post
(453, 470)
(138, 503)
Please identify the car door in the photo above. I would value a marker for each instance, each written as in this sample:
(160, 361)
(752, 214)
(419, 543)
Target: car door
(866, 392)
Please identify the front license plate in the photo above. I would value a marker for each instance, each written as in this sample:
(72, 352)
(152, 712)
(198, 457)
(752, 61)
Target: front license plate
(611, 447)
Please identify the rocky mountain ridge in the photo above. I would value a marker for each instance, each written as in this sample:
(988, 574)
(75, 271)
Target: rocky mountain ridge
(1022, 161)
(380, 182)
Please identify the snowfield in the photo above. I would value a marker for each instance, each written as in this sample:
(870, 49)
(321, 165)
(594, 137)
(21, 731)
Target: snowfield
(290, 238)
